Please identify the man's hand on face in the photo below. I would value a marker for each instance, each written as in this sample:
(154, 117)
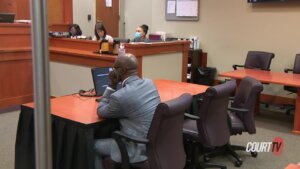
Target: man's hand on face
(114, 79)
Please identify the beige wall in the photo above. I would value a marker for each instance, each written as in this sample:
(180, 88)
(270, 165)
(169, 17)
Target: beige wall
(80, 11)
(170, 66)
(228, 29)
(136, 13)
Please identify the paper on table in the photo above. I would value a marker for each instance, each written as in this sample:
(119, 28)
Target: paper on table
(171, 6)
(187, 8)
(108, 3)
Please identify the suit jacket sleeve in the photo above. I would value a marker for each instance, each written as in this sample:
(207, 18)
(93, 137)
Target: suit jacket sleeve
(109, 106)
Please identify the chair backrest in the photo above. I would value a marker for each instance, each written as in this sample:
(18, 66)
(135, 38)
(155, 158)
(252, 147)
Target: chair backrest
(246, 95)
(165, 148)
(259, 60)
(297, 64)
(213, 123)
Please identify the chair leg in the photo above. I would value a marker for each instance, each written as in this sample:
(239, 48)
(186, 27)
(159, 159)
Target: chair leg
(238, 161)
(192, 150)
(210, 165)
(235, 147)
(243, 148)
(214, 153)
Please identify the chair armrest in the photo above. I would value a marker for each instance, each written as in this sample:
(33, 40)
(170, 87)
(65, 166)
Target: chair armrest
(118, 136)
(231, 98)
(238, 110)
(288, 70)
(258, 68)
(121, 135)
(235, 66)
(190, 116)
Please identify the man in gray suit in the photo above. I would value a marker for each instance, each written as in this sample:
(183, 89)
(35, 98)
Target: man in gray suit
(134, 104)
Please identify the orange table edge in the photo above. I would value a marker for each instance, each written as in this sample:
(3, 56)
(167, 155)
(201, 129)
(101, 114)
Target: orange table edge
(83, 109)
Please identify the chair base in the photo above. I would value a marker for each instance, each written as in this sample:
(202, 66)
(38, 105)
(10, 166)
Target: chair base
(230, 150)
(205, 165)
(192, 162)
(289, 108)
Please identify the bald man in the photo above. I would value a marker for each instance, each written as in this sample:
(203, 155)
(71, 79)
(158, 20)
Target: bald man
(134, 104)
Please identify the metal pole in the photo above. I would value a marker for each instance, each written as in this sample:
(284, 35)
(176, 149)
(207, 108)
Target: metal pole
(42, 121)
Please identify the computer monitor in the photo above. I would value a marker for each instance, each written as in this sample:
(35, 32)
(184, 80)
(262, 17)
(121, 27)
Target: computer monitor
(101, 79)
(7, 17)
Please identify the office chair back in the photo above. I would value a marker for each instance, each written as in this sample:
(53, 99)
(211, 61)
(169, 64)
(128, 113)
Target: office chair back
(165, 148)
(296, 69)
(259, 60)
(213, 126)
(246, 95)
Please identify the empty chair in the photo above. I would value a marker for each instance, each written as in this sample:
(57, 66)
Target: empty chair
(210, 128)
(257, 60)
(241, 113)
(295, 70)
(164, 144)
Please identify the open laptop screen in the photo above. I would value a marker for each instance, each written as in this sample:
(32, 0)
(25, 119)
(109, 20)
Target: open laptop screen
(101, 79)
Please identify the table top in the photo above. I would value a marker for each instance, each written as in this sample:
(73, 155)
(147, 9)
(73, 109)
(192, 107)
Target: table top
(83, 109)
(293, 166)
(170, 89)
(282, 78)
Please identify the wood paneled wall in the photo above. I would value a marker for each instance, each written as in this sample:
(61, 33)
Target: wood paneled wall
(19, 7)
(16, 85)
(59, 11)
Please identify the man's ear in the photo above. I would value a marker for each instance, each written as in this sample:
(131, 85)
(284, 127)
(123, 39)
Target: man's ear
(123, 71)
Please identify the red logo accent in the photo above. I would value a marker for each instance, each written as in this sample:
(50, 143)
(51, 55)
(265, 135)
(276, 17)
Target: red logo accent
(277, 146)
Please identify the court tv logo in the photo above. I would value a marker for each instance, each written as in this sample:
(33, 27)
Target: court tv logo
(276, 146)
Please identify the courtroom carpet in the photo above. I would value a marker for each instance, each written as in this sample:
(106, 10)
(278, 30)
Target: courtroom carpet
(271, 123)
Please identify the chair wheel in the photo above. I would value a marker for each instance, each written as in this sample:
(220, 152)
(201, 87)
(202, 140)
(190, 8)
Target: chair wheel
(254, 154)
(206, 158)
(238, 163)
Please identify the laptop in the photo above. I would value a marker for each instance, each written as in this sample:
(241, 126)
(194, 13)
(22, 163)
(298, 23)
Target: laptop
(101, 79)
(7, 17)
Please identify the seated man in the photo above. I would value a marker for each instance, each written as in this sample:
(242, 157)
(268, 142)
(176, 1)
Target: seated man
(134, 105)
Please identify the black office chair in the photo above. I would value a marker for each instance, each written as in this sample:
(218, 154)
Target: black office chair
(210, 128)
(241, 113)
(257, 60)
(240, 117)
(165, 142)
(295, 70)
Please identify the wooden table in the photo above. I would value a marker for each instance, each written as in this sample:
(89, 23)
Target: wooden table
(288, 79)
(293, 166)
(75, 124)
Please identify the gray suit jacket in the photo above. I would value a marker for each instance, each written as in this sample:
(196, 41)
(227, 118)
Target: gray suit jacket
(134, 104)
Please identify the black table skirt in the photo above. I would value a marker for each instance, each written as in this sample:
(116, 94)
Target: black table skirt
(72, 142)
